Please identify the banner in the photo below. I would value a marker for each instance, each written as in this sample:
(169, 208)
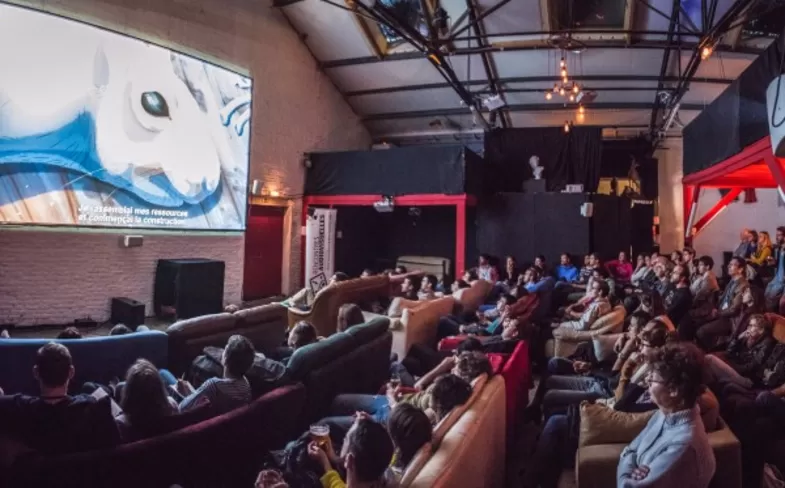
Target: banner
(319, 248)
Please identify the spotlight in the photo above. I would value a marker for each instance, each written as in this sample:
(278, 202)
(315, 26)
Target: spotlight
(548, 95)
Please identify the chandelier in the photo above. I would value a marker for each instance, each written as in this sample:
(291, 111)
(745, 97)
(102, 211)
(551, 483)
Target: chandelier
(569, 90)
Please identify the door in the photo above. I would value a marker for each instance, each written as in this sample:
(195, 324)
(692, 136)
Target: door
(263, 252)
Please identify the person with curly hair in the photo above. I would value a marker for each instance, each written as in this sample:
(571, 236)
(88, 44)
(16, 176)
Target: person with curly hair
(673, 449)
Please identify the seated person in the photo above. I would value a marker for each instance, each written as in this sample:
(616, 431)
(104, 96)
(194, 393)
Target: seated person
(302, 334)
(485, 270)
(367, 272)
(366, 455)
(69, 333)
(399, 270)
(620, 269)
(304, 298)
(427, 289)
(489, 322)
(642, 268)
(55, 422)
(227, 393)
(704, 287)
(730, 307)
(566, 272)
(598, 307)
(348, 315)
(410, 429)
(743, 362)
(120, 329)
(145, 403)
(673, 449)
(468, 366)
(678, 300)
(459, 285)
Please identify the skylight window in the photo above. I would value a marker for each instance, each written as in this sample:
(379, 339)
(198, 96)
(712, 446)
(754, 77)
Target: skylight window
(407, 12)
(588, 14)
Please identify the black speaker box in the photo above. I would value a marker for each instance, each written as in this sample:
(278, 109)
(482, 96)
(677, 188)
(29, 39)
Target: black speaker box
(127, 311)
(188, 288)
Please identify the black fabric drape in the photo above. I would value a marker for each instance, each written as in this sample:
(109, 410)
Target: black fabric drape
(568, 158)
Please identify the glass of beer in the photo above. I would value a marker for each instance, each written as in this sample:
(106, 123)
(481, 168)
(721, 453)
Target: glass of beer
(320, 434)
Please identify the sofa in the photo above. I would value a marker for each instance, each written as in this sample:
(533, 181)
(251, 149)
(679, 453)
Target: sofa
(565, 341)
(265, 326)
(469, 445)
(98, 359)
(517, 376)
(323, 313)
(225, 451)
(596, 462)
(471, 298)
(439, 267)
(355, 361)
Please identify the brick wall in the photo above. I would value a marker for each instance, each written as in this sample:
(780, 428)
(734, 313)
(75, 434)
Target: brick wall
(296, 109)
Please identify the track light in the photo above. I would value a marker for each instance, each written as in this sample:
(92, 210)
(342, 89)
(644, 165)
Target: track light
(548, 95)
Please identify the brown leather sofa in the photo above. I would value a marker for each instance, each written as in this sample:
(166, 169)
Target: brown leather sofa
(565, 341)
(469, 445)
(323, 314)
(265, 326)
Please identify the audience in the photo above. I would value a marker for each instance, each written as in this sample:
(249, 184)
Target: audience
(642, 268)
(427, 289)
(304, 298)
(485, 270)
(775, 288)
(566, 272)
(410, 430)
(748, 244)
(596, 308)
(620, 269)
(120, 329)
(728, 308)
(69, 333)
(302, 334)
(678, 301)
(145, 402)
(746, 355)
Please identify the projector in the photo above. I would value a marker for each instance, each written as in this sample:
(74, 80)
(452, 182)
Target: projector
(586, 97)
(385, 205)
(493, 102)
(775, 113)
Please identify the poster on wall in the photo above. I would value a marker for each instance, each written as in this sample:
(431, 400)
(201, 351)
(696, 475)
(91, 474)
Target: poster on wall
(319, 248)
(99, 129)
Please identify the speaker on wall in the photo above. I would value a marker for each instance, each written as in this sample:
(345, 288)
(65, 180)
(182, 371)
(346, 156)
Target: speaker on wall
(188, 288)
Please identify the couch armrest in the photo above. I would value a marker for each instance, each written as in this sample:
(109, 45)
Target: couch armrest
(595, 466)
(296, 315)
(727, 453)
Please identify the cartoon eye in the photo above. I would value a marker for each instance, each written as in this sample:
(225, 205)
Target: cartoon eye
(154, 104)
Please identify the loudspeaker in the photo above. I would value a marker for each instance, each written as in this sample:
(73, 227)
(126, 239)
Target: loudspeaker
(188, 288)
(127, 311)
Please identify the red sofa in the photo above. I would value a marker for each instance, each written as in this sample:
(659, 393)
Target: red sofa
(224, 451)
(517, 382)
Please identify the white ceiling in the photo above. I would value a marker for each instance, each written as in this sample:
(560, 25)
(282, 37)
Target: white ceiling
(390, 95)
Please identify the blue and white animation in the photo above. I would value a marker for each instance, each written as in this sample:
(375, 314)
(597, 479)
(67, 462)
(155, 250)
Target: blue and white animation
(100, 129)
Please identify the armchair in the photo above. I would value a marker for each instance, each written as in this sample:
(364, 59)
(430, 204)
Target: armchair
(565, 341)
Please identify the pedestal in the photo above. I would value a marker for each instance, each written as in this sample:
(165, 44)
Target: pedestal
(534, 186)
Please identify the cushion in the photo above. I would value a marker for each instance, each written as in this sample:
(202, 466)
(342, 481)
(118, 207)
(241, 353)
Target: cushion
(497, 361)
(604, 425)
(416, 464)
(603, 346)
(778, 322)
(616, 316)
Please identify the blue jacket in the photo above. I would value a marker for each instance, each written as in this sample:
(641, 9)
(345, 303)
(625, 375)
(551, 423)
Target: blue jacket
(676, 450)
(569, 273)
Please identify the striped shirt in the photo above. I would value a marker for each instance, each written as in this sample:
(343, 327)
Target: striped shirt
(224, 394)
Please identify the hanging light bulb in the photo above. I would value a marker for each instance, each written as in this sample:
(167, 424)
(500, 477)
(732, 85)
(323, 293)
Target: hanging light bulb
(581, 109)
(561, 91)
(564, 72)
(575, 88)
(706, 52)
(555, 88)
(563, 63)
(548, 95)
(581, 118)
(567, 126)
(572, 97)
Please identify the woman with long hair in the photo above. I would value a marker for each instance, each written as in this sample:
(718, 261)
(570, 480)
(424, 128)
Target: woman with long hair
(763, 251)
(349, 315)
(145, 402)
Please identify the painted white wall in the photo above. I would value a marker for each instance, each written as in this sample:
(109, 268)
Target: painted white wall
(722, 233)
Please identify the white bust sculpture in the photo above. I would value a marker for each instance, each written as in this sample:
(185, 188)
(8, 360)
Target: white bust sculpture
(534, 162)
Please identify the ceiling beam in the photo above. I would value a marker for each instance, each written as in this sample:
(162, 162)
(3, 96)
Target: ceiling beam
(666, 59)
(538, 107)
(532, 79)
(621, 44)
(475, 20)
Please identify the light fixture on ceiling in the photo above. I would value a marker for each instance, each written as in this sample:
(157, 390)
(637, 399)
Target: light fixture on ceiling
(575, 88)
(706, 52)
(548, 95)
(581, 110)
(563, 63)
(572, 97)
(561, 91)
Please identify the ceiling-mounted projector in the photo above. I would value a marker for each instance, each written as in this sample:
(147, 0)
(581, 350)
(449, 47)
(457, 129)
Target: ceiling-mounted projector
(385, 205)
(775, 112)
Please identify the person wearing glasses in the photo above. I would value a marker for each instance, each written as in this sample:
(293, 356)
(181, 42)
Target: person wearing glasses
(673, 449)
